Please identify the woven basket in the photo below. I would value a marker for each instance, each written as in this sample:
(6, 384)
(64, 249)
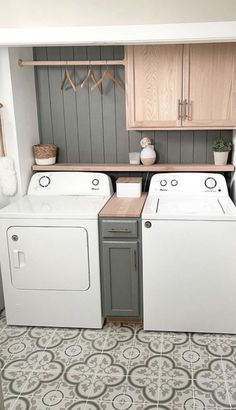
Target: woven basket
(44, 151)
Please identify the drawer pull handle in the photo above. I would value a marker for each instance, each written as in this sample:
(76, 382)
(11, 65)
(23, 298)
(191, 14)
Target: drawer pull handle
(113, 230)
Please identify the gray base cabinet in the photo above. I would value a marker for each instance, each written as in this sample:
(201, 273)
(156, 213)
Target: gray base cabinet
(120, 267)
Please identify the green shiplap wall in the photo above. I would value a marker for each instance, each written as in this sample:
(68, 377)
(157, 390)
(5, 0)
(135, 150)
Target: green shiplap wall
(90, 127)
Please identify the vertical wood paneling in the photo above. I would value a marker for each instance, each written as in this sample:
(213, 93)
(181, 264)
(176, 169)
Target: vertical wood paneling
(57, 107)
(161, 146)
(83, 108)
(134, 141)
(122, 142)
(186, 147)
(227, 134)
(96, 115)
(43, 96)
(211, 136)
(200, 146)
(174, 145)
(70, 113)
(108, 109)
(90, 126)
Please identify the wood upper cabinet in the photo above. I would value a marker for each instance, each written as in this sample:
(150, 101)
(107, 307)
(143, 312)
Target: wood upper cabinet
(153, 86)
(178, 86)
(209, 85)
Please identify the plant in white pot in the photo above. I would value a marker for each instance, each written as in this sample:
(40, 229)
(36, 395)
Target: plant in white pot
(221, 148)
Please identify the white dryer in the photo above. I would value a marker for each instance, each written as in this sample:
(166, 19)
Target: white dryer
(50, 251)
(189, 254)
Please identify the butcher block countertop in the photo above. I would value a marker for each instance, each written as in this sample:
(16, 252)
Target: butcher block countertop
(124, 207)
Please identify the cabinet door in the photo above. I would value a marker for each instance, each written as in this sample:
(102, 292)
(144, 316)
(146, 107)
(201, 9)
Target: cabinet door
(154, 86)
(209, 73)
(120, 266)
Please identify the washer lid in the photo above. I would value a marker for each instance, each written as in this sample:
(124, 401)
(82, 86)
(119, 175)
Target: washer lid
(69, 207)
(188, 207)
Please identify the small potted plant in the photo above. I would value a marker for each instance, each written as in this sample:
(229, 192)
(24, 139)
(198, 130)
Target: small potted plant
(221, 147)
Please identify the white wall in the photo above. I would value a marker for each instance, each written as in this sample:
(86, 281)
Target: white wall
(19, 112)
(25, 109)
(75, 13)
(19, 118)
(75, 22)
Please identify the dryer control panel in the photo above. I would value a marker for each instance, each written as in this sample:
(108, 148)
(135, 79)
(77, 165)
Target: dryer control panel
(70, 183)
(188, 184)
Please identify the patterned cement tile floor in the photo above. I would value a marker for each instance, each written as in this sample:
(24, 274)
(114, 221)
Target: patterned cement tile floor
(119, 367)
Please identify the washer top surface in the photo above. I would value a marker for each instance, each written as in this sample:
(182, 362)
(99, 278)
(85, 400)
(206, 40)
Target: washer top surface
(189, 208)
(188, 196)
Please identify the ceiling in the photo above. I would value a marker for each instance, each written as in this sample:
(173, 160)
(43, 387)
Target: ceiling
(77, 13)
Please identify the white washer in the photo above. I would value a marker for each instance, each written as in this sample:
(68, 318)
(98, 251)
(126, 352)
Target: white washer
(50, 251)
(189, 254)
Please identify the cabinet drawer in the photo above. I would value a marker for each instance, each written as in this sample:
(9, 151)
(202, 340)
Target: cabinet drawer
(119, 229)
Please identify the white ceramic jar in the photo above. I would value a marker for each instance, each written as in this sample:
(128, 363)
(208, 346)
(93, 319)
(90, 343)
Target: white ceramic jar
(148, 155)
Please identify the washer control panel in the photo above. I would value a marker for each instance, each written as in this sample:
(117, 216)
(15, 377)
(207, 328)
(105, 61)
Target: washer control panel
(70, 183)
(188, 183)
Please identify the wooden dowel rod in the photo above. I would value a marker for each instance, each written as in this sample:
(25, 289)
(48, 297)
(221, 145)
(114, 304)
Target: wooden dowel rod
(22, 63)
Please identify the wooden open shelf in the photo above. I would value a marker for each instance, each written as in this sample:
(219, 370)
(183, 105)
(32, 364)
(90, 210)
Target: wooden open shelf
(134, 168)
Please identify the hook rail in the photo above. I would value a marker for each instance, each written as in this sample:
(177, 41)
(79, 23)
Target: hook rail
(23, 63)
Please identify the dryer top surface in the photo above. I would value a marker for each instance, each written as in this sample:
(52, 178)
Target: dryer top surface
(62, 207)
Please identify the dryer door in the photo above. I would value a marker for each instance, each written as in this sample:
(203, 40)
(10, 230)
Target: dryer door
(49, 257)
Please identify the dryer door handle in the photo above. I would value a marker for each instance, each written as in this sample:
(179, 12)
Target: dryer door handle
(18, 259)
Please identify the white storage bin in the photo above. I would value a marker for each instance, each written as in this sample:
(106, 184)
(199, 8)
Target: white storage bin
(129, 187)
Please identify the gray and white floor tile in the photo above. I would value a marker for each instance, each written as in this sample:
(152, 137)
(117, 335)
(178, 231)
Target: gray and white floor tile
(118, 367)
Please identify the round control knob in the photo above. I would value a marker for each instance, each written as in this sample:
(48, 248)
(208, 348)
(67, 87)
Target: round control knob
(44, 181)
(148, 224)
(174, 182)
(163, 182)
(210, 183)
(95, 182)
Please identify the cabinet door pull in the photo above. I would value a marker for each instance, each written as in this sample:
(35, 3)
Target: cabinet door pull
(113, 230)
(190, 105)
(184, 116)
(135, 261)
(180, 109)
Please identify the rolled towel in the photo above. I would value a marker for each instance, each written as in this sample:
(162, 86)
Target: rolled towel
(8, 180)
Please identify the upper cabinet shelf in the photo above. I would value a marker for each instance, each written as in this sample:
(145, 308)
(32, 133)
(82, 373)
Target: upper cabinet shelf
(181, 86)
